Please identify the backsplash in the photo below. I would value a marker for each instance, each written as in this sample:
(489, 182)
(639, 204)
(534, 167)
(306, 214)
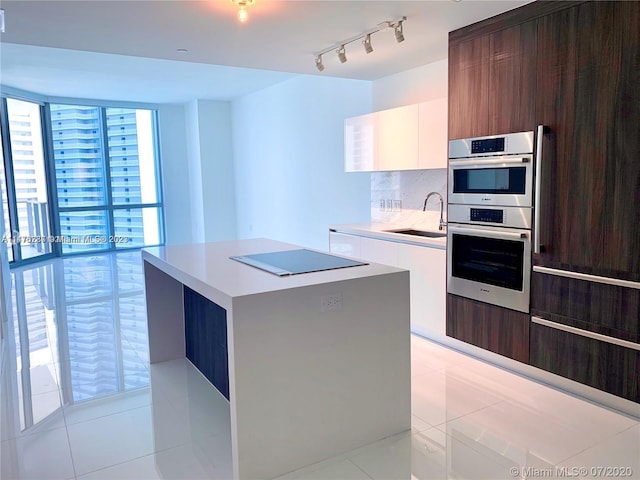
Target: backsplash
(403, 194)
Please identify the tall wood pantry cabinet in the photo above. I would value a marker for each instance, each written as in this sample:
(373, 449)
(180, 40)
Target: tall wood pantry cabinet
(573, 67)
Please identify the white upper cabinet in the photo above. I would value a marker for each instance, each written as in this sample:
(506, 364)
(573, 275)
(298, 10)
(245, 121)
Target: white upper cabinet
(433, 141)
(397, 139)
(405, 138)
(360, 143)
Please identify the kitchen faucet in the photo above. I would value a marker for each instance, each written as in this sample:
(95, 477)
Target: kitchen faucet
(424, 208)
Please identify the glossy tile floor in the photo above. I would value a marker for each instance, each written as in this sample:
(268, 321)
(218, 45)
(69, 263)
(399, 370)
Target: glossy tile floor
(79, 400)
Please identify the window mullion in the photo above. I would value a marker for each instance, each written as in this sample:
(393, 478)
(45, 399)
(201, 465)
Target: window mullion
(52, 183)
(8, 173)
(107, 169)
(159, 177)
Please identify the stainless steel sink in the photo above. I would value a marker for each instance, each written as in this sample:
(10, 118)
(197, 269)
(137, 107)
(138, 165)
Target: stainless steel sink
(418, 233)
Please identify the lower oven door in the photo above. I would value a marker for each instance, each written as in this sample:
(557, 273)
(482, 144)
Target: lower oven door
(490, 264)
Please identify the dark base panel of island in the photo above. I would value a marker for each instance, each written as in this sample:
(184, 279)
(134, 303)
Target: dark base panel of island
(205, 325)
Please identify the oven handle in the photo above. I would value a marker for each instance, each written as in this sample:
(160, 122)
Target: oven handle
(491, 161)
(489, 233)
(536, 202)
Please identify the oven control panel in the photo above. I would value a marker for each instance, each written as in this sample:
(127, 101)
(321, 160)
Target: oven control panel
(487, 145)
(486, 215)
(510, 217)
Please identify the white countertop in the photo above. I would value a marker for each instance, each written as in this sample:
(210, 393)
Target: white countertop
(207, 268)
(377, 230)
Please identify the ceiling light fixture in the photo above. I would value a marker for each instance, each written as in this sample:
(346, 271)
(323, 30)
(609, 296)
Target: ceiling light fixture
(342, 54)
(243, 15)
(367, 43)
(364, 36)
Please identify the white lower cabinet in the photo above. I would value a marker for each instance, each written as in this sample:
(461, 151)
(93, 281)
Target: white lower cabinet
(428, 275)
(428, 268)
(343, 244)
(379, 251)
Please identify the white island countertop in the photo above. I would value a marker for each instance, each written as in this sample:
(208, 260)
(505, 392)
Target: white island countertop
(207, 269)
(379, 230)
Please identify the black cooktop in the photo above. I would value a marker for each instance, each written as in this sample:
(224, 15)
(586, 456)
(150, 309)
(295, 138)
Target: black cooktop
(294, 262)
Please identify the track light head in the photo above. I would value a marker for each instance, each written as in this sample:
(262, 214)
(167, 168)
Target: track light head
(367, 43)
(365, 37)
(398, 31)
(342, 54)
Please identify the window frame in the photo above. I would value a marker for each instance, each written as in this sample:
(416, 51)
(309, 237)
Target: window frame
(54, 208)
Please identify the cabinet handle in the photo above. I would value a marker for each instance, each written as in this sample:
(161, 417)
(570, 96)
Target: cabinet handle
(617, 282)
(515, 235)
(585, 333)
(536, 206)
(489, 161)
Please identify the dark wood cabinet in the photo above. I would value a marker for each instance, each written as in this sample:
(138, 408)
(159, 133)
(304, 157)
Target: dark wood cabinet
(512, 73)
(588, 95)
(573, 67)
(605, 366)
(611, 312)
(591, 306)
(205, 331)
(492, 82)
(493, 328)
(469, 79)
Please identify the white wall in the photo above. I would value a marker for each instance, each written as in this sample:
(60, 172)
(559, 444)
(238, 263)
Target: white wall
(419, 84)
(194, 168)
(289, 160)
(210, 160)
(175, 173)
(272, 161)
(197, 168)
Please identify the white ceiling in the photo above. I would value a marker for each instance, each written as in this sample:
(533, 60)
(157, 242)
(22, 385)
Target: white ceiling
(88, 45)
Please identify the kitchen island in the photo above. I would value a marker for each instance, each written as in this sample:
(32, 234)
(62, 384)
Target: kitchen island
(313, 365)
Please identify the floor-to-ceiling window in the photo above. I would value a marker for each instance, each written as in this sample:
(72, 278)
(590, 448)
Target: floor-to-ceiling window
(103, 176)
(5, 202)
(25, 180)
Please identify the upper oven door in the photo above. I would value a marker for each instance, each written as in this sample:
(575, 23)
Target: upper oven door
(506, 180)
(491, 265)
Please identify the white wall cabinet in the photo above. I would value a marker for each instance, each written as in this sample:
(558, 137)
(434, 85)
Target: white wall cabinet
(433, 141)
(428, 275)
(412, 137)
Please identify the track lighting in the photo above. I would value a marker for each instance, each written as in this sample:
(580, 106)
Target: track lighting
(340, 47)
(367, 43)
(342, 54)
(398, 31)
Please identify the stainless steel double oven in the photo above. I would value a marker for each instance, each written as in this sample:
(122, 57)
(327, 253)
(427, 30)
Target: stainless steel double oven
(489, 219)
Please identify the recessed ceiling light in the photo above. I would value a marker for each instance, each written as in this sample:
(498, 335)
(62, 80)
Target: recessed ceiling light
(181, 50)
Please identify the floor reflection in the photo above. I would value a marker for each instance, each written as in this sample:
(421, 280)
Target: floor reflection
(79, 333)
(78, 400)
